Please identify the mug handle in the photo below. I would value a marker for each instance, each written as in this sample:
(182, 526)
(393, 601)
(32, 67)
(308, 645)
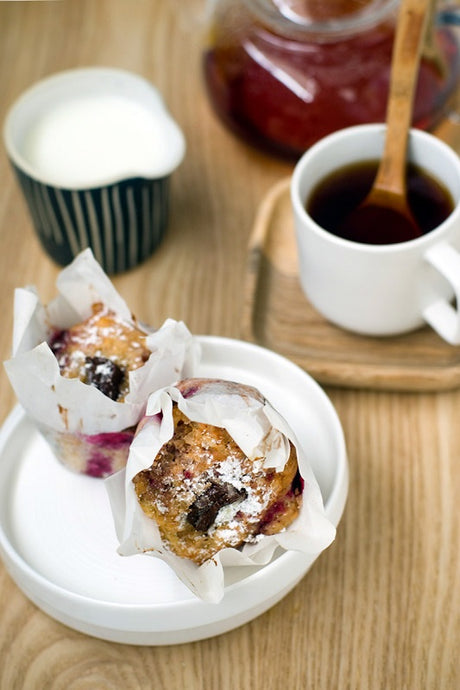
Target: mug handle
(442, 316)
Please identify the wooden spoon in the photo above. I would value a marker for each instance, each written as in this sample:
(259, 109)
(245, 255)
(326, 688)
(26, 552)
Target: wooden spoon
(387, 203)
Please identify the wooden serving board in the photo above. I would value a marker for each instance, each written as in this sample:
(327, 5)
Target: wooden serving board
(277, 315)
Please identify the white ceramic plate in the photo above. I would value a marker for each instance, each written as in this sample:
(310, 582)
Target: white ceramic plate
(58, 542)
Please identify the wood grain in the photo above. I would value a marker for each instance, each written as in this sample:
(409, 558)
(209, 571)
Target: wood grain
(380, 608)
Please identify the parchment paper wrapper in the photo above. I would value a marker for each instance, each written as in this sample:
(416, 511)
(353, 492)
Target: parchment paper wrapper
(259, 431)
(88, 431)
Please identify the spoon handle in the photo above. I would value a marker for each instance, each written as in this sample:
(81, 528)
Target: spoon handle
(410, 32)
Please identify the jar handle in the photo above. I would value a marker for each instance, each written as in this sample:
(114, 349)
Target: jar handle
(445, 13)
(448, 14)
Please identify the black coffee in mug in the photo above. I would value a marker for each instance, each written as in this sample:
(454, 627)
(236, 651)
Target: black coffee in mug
(339, 194)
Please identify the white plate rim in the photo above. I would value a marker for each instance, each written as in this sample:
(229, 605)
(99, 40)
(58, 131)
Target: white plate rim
(219, 617)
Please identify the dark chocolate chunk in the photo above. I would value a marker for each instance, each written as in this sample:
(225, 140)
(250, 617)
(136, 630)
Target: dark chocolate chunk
(204, 509)
(104, 375)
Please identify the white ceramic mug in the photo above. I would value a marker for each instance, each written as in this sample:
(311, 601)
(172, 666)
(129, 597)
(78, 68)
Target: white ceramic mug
(380, 290)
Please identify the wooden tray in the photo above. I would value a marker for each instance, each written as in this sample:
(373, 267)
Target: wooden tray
(277, 315)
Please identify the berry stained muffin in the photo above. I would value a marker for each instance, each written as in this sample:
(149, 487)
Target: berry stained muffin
(215, 478)
(83, 367)
(205, 494)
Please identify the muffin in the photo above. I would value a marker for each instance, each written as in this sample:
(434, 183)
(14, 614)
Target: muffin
(215, 478)
(202, 490)
(83, 367)
(205, 494)
(100, 351)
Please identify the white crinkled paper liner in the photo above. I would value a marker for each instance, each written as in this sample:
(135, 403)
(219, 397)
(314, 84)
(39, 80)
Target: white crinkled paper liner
(68, 405)
(259, 431)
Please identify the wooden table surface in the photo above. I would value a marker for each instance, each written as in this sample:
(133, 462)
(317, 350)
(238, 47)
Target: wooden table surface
(380, 608)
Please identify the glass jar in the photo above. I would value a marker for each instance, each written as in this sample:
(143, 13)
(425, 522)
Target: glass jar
(283, 73)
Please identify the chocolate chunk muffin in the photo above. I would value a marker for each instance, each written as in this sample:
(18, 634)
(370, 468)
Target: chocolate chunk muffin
(205, 494)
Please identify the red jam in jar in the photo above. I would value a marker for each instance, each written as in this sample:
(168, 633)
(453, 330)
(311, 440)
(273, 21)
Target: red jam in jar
(281, 74)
